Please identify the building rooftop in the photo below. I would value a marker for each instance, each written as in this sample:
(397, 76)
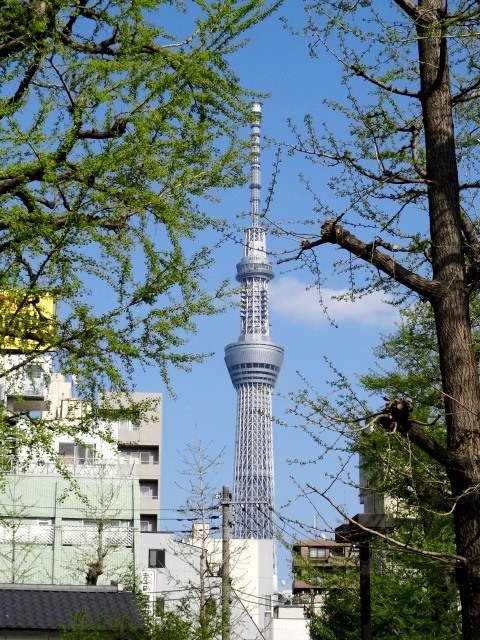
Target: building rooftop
(319, 542)
(51, 607)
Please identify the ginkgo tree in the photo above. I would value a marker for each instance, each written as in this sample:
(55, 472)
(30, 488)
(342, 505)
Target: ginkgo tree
(118, 119)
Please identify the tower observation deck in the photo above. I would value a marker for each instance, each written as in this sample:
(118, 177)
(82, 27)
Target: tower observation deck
(254, 363)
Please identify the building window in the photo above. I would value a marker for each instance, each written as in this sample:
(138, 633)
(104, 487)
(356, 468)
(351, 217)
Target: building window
(127, 425)
(148, 523)
(317, 552)
(159, 607)
(72, 453)
(156, 558)
(149, 489)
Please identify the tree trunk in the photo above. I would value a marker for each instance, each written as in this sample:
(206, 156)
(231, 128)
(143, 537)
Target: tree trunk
(451, 307)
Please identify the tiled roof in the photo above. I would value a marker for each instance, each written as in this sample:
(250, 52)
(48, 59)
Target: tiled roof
(48, 607)
(322, 542)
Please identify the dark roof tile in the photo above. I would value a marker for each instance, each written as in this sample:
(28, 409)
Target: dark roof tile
(48, 609)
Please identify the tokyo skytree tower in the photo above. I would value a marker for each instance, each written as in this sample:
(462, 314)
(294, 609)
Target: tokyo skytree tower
(254, 363)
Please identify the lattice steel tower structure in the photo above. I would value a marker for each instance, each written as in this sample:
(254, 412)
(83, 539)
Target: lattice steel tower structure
(254, 362)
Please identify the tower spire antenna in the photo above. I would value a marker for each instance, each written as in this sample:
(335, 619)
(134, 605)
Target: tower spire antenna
(254, 363)
(255, 172)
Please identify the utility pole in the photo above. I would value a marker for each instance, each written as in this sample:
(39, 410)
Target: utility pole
(226, 586)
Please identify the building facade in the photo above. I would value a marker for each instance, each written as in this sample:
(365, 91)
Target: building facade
(51, 534)
(313, 564)
(140, 442)
(75, 516)
(190, 570)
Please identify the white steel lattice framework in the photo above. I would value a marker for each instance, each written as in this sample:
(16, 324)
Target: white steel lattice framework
(254, 363)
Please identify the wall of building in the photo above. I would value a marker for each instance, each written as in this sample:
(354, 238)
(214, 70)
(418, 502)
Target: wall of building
(179, 577)
(288, 625)
(49, 530)
(141, 443)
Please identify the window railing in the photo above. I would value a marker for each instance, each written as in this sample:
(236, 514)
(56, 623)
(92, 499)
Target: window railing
(113, 537)
(80, 468)
(12, 532)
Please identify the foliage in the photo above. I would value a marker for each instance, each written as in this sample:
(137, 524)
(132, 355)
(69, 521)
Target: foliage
(83, 627)
(403, 171)
(407, 483)
(339, 616)
(116, 120)
(406, 365)
(410, 599)
(171, 626)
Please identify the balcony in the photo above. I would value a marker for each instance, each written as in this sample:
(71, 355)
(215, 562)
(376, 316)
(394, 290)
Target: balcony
(25, 384)
(147, 471)
(149, 505)
(78, 468)
(82, 536)
(12, 532)
(146, 434)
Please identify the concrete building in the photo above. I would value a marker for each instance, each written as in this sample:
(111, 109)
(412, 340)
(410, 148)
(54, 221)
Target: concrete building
(141, 443)
(138, 443)
(51, 534)
(171, 571)
(98, 489)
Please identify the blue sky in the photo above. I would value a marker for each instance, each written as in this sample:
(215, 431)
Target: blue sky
(278, 63)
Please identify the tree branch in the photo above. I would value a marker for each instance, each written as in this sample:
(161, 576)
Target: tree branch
(443, 557)
(117, 129)
(396, 418)
(333, 233)
(359, 71)
(408, 7)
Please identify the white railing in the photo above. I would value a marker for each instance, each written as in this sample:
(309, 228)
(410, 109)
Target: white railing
(79, 536)
(12, 532)
(78, 468)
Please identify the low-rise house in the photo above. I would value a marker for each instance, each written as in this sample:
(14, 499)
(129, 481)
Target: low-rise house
(40, 611)
(313, 562)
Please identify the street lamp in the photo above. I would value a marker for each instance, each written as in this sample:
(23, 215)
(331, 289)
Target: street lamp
(354, 531)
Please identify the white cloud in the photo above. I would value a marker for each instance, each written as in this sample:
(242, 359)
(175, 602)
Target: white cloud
(292, 299)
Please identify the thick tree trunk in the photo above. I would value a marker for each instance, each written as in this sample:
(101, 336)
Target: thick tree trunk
(451, 307)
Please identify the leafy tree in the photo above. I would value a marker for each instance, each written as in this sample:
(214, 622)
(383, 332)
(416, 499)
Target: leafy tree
(405, 180)
(171, 626)
(410, 599)
(83, 627)
(116, 120)
(407, 578)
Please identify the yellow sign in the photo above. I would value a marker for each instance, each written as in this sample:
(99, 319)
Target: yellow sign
(27, 321)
